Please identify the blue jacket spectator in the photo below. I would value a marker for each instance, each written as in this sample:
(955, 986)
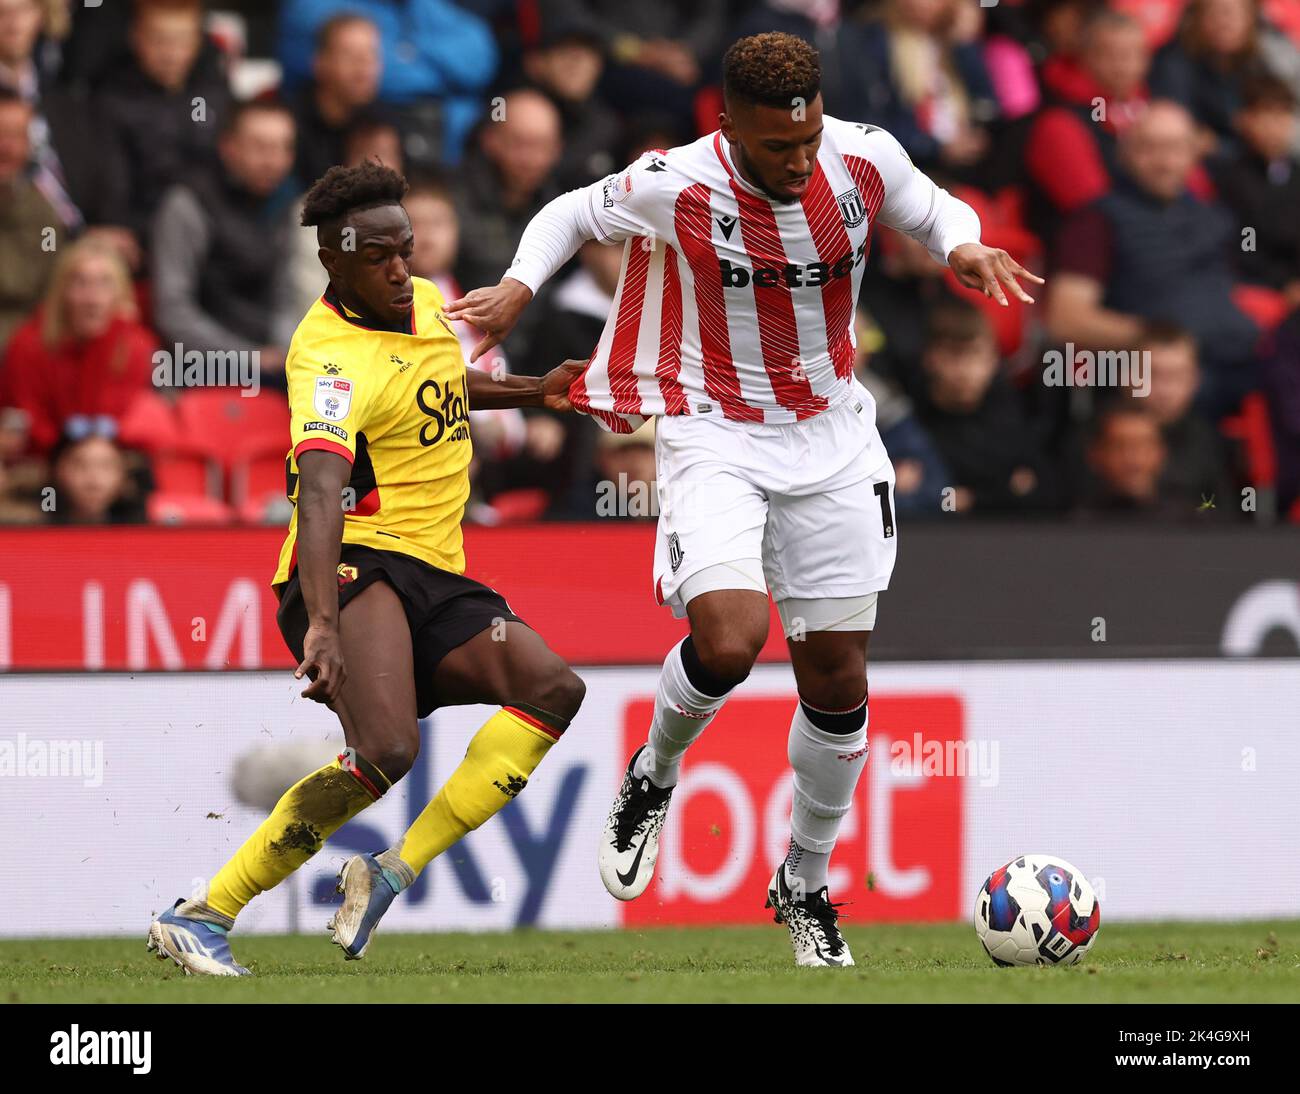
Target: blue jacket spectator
(432, 49)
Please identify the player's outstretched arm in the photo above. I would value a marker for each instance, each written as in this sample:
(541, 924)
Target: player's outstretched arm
(322, 477)
(551, 391)
(609, 211)
(552, 237)
(945, 225)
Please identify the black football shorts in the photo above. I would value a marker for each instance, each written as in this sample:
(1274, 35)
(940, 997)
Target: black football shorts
(444, 610)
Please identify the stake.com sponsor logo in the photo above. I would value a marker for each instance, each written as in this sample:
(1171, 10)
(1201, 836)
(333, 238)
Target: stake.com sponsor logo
(729, 823)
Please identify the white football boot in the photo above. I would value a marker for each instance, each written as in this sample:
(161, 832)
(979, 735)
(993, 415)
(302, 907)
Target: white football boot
(812, 920)
(629, 845)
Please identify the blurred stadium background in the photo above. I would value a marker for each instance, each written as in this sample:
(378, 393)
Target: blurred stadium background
(1092, 643)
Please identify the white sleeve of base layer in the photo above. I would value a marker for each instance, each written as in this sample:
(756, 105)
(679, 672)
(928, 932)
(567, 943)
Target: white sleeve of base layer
(915, 206)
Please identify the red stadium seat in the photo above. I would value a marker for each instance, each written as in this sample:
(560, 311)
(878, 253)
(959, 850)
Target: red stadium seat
(257, 481)
(519, 506)
(1285, 14)
(1267, 307)
(188, 509)
(185, 473)
(1250, 426)
(150, 424)
(226, 425)
(707, 107)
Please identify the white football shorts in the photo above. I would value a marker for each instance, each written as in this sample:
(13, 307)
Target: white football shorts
(804, 509)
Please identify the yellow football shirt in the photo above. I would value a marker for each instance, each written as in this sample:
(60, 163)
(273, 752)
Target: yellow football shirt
(396, 406)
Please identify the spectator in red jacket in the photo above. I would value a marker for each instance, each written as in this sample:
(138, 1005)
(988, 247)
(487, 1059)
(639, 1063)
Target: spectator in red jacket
(83, 356)
(1071, 153)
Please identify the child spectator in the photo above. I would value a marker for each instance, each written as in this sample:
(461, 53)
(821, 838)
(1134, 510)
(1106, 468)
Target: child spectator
(92, 484)
(975, 417)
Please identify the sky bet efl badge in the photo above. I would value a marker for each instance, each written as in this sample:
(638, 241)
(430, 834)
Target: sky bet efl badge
(333, 398)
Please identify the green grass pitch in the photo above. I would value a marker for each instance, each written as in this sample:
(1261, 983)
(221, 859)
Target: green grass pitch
(1177, 962)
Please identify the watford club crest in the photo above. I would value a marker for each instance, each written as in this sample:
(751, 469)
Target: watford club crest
(347, 574)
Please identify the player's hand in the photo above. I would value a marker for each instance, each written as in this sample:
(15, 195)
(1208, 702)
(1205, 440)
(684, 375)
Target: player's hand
(494, 310)
(322, 662)
(987, 269)
(556, 384)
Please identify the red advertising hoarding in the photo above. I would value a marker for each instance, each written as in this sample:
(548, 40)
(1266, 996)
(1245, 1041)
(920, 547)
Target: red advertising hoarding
(185, 598)
(899, 849)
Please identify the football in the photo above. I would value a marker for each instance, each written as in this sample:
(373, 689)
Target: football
(1037, 910)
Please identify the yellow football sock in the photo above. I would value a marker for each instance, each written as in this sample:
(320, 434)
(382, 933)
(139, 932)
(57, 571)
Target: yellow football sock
(501, 756)
(302, 820)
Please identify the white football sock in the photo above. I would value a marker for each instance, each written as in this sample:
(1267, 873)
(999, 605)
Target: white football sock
(681, 713)
(805, 871)
(826, 770)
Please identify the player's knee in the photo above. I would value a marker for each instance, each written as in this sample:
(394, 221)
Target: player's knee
(559, 691)
(837, 688)
(394, 758)
(727, 658)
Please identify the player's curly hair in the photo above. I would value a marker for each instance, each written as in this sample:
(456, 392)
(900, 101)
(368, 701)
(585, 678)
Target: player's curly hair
(771, 69)
(343, 190)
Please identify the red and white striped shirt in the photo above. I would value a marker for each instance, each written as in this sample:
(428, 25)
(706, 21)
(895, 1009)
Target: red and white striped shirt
(729, 302)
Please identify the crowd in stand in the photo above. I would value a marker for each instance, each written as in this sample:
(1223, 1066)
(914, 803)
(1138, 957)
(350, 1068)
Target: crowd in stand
(1140, 154)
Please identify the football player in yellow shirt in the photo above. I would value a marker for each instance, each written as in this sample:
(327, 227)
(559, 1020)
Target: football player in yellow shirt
(373, 598)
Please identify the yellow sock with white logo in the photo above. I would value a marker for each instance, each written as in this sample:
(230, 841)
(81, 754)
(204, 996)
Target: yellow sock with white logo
(501, 757)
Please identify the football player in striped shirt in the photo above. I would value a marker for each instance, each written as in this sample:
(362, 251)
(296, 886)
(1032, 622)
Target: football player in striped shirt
(733, 326)
(374, 601)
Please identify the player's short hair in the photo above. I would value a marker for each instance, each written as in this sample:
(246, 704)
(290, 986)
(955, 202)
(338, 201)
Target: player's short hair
(344, 190)
(772, 69)
(956, 323)
(1263, 89)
